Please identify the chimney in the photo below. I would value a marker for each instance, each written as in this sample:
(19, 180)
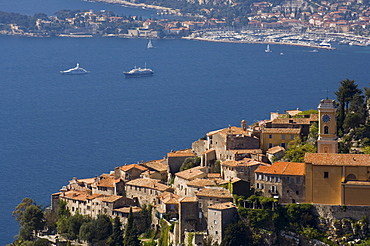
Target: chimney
(244, 125)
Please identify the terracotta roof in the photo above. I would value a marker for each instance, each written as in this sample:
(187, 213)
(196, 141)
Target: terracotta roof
(181, 153)
(86, 181)
(108, 181)
(281, 130)
(192, 173)
(284, 168)
(93, 196)
(337, 159)
(201, 183)
(222, 206)
(158, 165)
(246, 162)
(212, 192)
(232, 130)
(189, 199)
(148, 183)
(246, 151)
(75, 195)
(208, 151)
(126, 210)
(131, 166)
(261, 169)
(169, 198)
(214, 175)
(275, 150)
(111, 198)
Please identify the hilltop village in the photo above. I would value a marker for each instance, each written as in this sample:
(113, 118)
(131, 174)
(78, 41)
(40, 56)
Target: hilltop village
(198, 192)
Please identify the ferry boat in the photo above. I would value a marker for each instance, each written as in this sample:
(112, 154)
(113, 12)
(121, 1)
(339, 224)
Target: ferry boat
(75, 71)
(137, 72)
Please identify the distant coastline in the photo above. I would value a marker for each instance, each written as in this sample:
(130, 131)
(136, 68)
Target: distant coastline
(139, 5)
(261, 42)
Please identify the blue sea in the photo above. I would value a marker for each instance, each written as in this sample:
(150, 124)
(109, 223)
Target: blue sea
(55, 127)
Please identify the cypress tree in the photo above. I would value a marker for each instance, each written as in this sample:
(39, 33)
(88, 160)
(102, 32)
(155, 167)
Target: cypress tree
(131, 239)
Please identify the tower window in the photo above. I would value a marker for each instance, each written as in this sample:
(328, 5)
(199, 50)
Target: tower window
(326, 130)
(326, 175)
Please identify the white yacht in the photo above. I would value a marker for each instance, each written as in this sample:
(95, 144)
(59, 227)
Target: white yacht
(75, 71)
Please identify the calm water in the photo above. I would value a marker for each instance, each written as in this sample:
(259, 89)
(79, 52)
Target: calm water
(56, 127)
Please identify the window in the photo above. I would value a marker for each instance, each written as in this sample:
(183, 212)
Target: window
(298, 180)
(277, 179)
(291, 137)
(270, 135)
(297, 192)
(215, 222)
(270, 145)
(288, 180)
(326, 175)
(283, 137)
(326, 130)
(283, 145)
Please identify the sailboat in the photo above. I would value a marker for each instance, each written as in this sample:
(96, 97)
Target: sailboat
(150, 45)
(268, 49)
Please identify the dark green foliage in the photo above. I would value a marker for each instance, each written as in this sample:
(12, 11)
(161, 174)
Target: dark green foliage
(116, 239)
(42, 242)
(237, 234)
(143, 219)
(131, 238)
(30, 217)
(190, 163)
(74, 224)
(216, 167)
(297, 149)
(63, 210)
(18, 19)
(96, 230)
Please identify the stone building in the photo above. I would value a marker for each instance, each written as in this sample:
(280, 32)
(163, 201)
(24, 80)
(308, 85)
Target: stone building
(129, 172)
(176, 158)
(188, 221)
(197, 184)
(145, 191)
(284, 181)
(219, 216)
(243, 169)
(167, 206)
(271, 137)
(157, 169)
(183, 177)
(208, 197)
(107, 184)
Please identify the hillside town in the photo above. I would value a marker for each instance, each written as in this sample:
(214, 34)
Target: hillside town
(316, 24)
(230, 166)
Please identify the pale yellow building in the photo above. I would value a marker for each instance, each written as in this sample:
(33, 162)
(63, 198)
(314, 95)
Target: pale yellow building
(337, 179)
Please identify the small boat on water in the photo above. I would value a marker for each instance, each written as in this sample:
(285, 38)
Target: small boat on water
(325, 44)
(314, 51)
(267, 50)
(150, 45)
(75, 71)
(138, 72)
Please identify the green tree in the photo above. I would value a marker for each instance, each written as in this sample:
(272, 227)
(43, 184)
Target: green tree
(21, 207)
(31, 221)
(63, 210)
(116, 239)
(297, 149)
(190, 163)
(237, 234)
(344, 95)
(130, 238)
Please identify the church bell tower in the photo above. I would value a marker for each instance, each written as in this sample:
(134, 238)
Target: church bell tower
(328, 140)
